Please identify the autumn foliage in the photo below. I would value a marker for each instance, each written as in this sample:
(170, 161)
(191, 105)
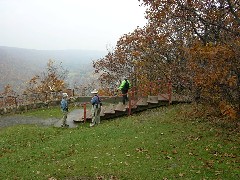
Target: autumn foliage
(193, 44)
(50, 80)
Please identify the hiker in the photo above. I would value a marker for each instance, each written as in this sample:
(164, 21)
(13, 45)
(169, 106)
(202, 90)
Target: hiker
(64, 108)
(124, 86)
(96, 108)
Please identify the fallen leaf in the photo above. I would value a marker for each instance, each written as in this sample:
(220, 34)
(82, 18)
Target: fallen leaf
(181, 174)
(168, 157)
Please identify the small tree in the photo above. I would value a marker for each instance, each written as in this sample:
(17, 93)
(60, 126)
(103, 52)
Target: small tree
(8, 91)
(51, 80)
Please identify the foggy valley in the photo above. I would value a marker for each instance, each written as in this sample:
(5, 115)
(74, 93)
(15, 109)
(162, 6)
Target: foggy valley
(17, 65)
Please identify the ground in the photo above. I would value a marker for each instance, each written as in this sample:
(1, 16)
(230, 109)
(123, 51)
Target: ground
(10, 120)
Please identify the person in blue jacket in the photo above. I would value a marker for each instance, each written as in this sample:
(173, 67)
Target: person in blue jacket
(96, 108)
(64, 108)
(124, 87)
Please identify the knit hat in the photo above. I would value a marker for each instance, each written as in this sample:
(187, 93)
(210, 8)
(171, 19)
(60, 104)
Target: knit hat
(94, 91)
(64, 94)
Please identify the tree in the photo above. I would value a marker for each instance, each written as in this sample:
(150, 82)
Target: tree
(193, 44)
(8, 91)
(209, 33)
(51, 80)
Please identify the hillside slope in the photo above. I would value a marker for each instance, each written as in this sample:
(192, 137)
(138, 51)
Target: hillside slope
(18, 65)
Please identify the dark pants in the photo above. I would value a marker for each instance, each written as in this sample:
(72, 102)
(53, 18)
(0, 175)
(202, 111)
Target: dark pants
(124, 96)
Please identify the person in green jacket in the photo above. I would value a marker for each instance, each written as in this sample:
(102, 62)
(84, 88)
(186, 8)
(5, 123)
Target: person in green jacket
(124, 87)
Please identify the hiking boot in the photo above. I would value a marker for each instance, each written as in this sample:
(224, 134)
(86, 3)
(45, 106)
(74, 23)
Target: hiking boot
(64, 125)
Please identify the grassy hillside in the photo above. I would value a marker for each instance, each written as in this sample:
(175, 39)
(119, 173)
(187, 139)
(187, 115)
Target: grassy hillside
(162, 143)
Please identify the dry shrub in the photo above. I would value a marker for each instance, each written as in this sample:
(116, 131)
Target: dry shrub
(227, 110)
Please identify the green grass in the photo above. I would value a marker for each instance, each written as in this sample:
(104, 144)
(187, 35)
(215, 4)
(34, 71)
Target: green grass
(46, 113)
(162, 143)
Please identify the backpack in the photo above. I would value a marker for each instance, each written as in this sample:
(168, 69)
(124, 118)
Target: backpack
(126, 85)
(99, 101)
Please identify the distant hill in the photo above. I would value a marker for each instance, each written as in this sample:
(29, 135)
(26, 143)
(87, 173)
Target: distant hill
(18, 65)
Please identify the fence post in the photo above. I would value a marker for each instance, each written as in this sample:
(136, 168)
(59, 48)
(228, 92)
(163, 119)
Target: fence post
(133, 92)
(84, 112)
(1, 101)
(159, 86)
(169, 93)
(129, 105)
(150, 86)
(15, 101)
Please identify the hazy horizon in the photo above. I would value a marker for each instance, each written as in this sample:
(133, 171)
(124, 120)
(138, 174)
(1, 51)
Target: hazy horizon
(11, 47)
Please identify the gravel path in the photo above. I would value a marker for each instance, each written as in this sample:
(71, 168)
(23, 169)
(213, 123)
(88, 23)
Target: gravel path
(11, 120)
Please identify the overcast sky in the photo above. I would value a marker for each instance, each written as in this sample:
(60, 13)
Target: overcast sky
(67, 24)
